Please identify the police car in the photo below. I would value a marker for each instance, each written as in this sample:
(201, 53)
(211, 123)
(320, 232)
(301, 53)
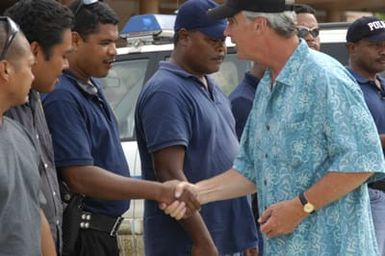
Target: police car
(149, 40)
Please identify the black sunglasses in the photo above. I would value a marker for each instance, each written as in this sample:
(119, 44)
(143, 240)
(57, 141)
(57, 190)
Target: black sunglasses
(304, 31)
(11, 28)
(85, 3)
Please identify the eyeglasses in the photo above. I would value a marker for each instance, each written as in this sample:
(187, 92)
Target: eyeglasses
(304, 31)
(83, 3)
(11, 28)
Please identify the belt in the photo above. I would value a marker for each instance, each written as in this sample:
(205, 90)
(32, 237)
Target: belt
(100, 222)
(379, 185)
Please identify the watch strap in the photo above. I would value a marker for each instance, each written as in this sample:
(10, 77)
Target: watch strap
(303, 199)
(307, 207)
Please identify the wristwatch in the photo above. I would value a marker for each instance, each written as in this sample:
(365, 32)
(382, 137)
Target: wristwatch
(307, 206)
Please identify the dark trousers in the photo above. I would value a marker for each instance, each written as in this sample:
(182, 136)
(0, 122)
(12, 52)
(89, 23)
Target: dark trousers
(96, 243)
(254, 206)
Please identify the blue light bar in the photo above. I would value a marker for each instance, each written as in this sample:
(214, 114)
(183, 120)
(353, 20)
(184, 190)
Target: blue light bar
(148, 24)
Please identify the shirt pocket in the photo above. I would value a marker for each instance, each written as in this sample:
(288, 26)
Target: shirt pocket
(296, 141)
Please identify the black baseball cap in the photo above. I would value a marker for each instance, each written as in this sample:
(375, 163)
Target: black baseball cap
(232, 7)
(368, 27)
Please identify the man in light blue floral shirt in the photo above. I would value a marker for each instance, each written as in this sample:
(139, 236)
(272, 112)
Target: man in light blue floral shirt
(309, 146)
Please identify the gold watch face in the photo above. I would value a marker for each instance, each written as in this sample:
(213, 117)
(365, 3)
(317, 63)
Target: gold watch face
(308, 208)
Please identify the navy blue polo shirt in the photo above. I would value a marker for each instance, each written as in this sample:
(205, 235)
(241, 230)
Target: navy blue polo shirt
(175, 109)
(242, 100)
(84, 132)
(374, 98)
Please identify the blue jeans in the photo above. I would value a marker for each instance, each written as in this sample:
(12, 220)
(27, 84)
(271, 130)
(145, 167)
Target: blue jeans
(377, 204)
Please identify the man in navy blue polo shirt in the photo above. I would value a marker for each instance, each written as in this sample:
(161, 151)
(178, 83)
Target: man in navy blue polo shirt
(88, 153)
(366, 45)
(185, 130)
(243, 96)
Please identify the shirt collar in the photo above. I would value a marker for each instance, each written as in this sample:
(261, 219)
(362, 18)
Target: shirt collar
(89, 88)
(294, 62)
(33, 96)
(175, 69)
(363, 80)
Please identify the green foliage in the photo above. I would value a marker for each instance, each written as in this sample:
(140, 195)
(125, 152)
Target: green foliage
(380, 15)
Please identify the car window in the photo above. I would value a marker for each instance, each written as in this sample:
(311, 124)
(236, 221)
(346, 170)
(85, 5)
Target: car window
(231, 73)
(127, 76)
(122, 87)
(336, 50)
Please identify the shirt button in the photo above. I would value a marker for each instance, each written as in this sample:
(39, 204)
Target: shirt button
(37, 136)
(54, 193)
(57, 222)
(268, 127)
(45, 166)
(266, 155)
(265, 182)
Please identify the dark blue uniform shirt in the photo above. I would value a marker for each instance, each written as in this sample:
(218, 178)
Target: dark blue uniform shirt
(175, 109)
(84, 132)
(242, 100)
(374, 98)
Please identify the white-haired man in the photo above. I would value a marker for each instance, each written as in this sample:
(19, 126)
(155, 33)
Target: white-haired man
(309, 145)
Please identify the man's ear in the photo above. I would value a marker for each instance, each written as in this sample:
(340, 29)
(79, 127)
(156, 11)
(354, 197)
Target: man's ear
(76, 39)
(4, 70)
(260, 24)
(351, 47)
(184, 35)
(36, 49)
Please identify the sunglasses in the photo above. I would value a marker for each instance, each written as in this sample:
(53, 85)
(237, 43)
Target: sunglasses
(304, 31)
(85, 3)
(11, 28)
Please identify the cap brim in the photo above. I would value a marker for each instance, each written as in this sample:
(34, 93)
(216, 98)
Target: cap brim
(216, 32)
(377, 38)
(222, 12)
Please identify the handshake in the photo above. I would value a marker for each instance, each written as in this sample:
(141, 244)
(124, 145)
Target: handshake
(179, 199)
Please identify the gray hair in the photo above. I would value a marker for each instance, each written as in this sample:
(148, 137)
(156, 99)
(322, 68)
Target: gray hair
(283, 23)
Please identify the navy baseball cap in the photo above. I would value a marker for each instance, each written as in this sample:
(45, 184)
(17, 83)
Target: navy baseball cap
(192, 15)
(368, 27)
(232, 7)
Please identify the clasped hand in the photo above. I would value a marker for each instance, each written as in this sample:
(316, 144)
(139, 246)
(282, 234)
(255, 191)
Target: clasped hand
(180, 199)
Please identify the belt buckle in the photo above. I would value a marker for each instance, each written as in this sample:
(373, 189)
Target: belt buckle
(115, 228)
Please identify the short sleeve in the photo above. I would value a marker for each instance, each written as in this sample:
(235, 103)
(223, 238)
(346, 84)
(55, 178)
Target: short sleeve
(244, 161)
(351, 134)
(70, 137)
(165, 121)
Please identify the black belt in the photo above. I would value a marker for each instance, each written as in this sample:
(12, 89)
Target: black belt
(100, 222)
(379, 185)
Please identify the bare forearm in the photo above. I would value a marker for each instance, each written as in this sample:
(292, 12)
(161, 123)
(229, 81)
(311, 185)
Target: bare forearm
(228, 185)
(283, 217)
(196, 228)
(96, 182)
(168, 165)
(334, 186)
